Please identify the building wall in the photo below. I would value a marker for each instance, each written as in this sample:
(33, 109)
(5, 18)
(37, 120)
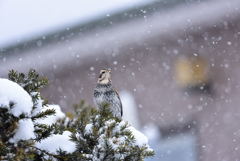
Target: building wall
(147, 71)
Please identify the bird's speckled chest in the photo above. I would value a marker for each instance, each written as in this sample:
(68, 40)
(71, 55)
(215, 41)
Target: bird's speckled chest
(98, 96)
(105, 94)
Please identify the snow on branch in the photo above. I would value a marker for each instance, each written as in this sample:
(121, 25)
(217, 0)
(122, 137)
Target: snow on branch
(14, 98)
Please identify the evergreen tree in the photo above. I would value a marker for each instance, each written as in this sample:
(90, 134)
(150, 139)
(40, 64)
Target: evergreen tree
(96, 135)
(23, 149)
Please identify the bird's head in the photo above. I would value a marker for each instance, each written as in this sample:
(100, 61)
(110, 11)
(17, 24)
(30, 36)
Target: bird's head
(104, 76)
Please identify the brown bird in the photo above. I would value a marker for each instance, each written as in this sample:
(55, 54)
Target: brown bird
(105, 94)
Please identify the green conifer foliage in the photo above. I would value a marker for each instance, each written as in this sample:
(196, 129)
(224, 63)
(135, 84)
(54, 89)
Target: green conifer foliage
(101, 137)
(23, 149)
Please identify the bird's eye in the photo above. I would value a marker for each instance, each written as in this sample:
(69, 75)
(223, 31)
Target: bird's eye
(103, 72)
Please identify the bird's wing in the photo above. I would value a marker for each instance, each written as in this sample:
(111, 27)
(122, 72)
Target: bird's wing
(119, 101)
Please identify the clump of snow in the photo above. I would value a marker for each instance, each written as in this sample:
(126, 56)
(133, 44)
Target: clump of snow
(88, 128)
(25, 131)
(4, 102)
(141, 139)
(52, 118)
(11, 92)
(55, 142)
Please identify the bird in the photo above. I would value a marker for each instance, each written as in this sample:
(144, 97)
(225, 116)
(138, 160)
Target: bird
(104, 94)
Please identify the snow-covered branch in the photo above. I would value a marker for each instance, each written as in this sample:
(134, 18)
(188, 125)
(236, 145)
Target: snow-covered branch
(32, 129)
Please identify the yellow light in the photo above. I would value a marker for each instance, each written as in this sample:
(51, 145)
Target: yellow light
(191, 71)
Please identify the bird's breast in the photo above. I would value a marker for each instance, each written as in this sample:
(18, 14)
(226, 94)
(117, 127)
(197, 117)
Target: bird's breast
(98, 97)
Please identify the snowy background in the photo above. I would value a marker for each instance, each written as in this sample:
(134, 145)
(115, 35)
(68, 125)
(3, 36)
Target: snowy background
(159, 51)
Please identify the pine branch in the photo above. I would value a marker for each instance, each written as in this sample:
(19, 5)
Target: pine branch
(44, 114)
(49, 154)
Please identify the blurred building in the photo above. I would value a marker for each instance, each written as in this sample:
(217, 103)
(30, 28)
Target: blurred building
(179, 60)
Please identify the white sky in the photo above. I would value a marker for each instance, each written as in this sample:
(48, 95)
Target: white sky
(22, 19)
